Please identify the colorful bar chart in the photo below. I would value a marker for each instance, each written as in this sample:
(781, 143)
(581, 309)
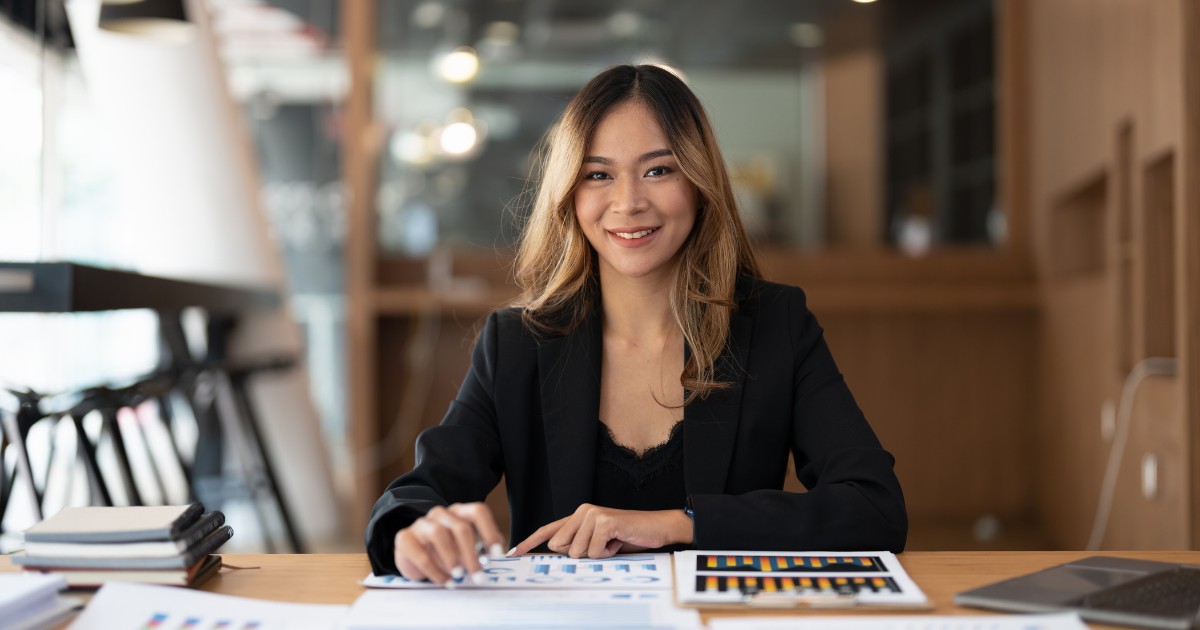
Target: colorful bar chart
(748, 585)
(761, 563)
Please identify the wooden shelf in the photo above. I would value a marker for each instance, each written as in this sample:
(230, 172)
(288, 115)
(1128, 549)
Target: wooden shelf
(413, 300)
(925, 298)
(62, 287)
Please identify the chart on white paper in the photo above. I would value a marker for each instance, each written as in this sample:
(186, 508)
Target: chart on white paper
(648, 571)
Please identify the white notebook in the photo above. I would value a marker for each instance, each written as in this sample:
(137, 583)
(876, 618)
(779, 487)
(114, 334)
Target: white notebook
(99, 524)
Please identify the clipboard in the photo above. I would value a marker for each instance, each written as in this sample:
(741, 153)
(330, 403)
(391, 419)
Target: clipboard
(872, 580)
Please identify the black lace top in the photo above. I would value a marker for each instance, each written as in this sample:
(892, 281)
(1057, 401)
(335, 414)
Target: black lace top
(651, 481)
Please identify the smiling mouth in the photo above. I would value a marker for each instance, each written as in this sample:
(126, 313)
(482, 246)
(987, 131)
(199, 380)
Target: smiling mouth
(629, 236)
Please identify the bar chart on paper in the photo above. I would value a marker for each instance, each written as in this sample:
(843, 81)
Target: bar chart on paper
(630, 572)
(720, 577)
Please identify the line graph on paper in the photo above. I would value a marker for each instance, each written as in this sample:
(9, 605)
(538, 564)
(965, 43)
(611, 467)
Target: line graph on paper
(630, 572)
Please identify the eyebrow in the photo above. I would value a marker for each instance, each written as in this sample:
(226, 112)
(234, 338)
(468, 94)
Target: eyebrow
(645, 157)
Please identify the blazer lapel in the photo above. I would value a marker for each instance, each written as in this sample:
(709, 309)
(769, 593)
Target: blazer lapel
(569, 371)
(710, 425)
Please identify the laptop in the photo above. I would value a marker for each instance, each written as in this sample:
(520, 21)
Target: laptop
(1121, 591)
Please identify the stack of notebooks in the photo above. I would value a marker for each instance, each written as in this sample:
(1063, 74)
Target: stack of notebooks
(170, 544)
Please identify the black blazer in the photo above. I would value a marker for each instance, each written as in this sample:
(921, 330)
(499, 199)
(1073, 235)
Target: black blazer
(528, 410)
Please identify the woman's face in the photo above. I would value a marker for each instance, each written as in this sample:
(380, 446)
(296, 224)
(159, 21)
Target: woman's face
(633, 203)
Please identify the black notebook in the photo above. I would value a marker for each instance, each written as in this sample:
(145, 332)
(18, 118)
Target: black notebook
(1122, 591)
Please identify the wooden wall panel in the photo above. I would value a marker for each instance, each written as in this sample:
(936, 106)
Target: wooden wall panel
(854, 186)
(1078, 381)
(950, 394)
(1106, 81)
(1187, 281)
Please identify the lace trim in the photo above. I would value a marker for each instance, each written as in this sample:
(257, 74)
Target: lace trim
(649, 452)
(650, 464)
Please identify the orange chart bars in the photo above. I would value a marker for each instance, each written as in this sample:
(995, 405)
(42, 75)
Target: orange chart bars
(795, 579)
(748, 585)
(772, 563)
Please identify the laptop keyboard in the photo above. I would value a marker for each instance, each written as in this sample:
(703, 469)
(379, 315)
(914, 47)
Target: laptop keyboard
(1174, 593)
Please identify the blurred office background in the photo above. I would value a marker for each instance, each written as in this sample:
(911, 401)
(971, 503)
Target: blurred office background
(993, 205)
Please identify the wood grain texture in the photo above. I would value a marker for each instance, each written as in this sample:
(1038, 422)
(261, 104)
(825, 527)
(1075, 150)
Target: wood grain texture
(1188, 244)
(358, 40)
(1106, 110)
(333, 578)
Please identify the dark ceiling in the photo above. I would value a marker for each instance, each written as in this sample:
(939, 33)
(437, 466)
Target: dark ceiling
(690, 33)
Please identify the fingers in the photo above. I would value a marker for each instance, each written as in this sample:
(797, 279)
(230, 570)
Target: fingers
(459, 544)
(442, 545)
(577, 540)
(485, 525)
(599, 532)
(415, 561)
(598, 535)
(543, 534)
(586, 533)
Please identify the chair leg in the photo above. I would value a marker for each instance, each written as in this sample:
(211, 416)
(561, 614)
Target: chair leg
(228, 412)
(118, 439)
(166, 415)
(251, 423)
(17, 438)
(148, 453)
(87, 452)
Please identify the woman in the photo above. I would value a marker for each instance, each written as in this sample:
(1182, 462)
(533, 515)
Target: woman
(648, 389)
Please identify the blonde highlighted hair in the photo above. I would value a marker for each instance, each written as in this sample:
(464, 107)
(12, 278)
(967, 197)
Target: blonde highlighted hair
(555, 264)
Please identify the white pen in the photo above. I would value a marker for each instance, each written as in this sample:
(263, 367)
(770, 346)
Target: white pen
(485, 554)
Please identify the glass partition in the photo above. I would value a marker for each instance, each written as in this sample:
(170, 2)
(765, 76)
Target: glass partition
(464, 91)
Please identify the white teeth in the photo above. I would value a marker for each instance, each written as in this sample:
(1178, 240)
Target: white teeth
(633, 235)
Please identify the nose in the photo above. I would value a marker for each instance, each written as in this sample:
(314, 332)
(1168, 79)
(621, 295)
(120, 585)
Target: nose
(628, 196)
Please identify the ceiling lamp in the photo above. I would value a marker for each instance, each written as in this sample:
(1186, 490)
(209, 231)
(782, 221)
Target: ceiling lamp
(806, 35)
(458, 139)
(156, 18)
(459, 65)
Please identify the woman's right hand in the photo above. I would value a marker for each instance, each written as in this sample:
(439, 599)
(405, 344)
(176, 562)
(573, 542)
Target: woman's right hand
(443, 545)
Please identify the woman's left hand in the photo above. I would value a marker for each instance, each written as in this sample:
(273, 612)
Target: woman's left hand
(600, 532)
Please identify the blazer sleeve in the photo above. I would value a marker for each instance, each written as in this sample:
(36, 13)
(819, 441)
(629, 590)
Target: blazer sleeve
(457, 461)
(854, 500)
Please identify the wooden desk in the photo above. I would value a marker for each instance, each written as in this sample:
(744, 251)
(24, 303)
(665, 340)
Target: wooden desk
(332, 578)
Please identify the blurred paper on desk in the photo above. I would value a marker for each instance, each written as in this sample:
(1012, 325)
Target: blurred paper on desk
(533, 610)
(121, 605)
(1057, 621)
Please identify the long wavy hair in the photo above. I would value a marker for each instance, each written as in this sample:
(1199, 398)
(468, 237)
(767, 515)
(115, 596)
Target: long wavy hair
(556, 267)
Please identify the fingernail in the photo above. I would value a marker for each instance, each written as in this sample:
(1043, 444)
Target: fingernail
(457, 573)
(510, 552)
(478, 577)
(496, 550)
